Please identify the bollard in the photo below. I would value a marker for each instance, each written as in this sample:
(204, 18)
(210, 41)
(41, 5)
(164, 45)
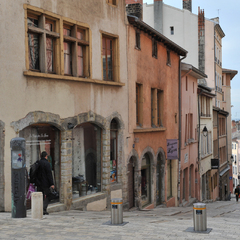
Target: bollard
(199, 217)
(116, 211)
(37, 205)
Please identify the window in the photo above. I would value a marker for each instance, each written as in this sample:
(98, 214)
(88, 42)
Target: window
(206, 144)
(139, 104)
(172, 30)
(138, 45)
(74, 50)
(42, 37)
(205, 106)
(44, 45)
(113, 150)
(168, 58)
(188, 127)
(112, 2)
(222, 127)
(156, 107)
(154, 48)
(110, 57)
(186, 83)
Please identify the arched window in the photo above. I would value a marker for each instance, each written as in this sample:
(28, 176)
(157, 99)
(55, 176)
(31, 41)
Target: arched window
(113, 150)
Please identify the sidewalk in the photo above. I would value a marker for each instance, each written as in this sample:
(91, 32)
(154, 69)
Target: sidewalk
(159, 223)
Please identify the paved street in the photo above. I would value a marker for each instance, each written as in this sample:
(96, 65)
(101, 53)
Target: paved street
(160, 223)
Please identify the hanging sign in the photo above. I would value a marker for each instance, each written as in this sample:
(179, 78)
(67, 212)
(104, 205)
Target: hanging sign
(172, 149)
(214, 163)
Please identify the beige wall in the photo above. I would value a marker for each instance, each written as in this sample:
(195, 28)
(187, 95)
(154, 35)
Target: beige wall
(21, 95)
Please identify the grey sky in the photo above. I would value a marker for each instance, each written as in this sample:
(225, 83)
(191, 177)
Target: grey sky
(228, 13)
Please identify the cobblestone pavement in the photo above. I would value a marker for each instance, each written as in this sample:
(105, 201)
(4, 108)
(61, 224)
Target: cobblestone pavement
(160, 223)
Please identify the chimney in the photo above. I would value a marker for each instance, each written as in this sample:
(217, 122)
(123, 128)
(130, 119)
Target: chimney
(201, 40)
(135, 8)
(187, 4)
(158, 15)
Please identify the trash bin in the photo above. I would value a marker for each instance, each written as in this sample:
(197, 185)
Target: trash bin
(116, 211)
(199, 217)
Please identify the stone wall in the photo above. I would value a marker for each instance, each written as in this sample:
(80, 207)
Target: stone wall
(135, 9)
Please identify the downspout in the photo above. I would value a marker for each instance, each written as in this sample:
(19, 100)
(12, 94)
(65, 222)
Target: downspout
(227, 159)
(199, 128)
(180, 127)
(219, 180)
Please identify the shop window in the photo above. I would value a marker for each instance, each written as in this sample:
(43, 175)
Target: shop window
(113, 150)
(169, 179)
(146, 180)
(39, 138)
(109, 58)
(86, 163)
(139, 104)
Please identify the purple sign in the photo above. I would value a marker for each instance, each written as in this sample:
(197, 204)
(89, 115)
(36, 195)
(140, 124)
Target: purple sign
(172, 149)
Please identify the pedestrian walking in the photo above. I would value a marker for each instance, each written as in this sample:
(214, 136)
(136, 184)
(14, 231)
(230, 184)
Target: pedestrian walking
(45, 180)
(237, 192)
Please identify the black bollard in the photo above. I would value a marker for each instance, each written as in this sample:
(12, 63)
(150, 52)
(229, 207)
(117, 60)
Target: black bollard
(18, 178)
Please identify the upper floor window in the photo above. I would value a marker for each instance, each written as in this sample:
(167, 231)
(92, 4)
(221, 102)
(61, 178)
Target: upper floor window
(168, 57)
(42, 38)
(154, 48)
(172, 30)
(112, 2)
(44, 45)
(138, 45)
(156, 107)
(74, 50)
(205, 106)
(139, 104)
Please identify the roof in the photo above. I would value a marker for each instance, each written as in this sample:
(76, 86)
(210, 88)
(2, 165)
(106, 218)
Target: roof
(221, 111)
(220, 31)
(195, 72)
(139, 24)
(206, 91)
(232, 73)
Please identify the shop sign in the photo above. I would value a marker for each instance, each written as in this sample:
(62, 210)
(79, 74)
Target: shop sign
(172, 149)
(214, 163)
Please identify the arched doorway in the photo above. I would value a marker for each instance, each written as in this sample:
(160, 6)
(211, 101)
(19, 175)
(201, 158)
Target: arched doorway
(86, 164)
(160, 179)
(146, 180)
(131, 190)
(43, 137)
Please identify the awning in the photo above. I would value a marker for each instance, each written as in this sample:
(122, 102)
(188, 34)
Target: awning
(224, 171)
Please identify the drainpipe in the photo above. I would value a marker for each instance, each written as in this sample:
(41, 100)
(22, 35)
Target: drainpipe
(180, 127)
(219, 180)
(199, 128)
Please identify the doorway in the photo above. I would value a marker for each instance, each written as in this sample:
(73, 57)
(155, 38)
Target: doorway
(146, 182)
(131, 190)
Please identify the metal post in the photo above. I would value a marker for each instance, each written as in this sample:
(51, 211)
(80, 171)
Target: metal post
(18, 164)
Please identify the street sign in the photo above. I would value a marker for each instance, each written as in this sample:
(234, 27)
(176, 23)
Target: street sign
(230, 178)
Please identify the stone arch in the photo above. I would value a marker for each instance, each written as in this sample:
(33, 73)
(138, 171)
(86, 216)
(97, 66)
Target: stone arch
(37, 117)
(132, 164)
(160, 176)
(150, 151)
(2, 143)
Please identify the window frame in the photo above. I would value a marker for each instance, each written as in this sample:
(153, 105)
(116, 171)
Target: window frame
(154, 48)
(115, 50)
(138, 40)
(139, 104)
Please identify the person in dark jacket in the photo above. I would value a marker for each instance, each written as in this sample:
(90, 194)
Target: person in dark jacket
(44, 180)
(237, 192)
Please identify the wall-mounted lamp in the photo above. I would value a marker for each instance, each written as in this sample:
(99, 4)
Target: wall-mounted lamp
(205, 131)
(70, 126)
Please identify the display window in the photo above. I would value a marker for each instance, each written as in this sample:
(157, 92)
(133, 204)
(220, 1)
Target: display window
(86, 165)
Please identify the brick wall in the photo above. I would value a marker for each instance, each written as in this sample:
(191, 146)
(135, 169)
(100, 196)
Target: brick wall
(134, 1)
(187, 4)
(201, 40)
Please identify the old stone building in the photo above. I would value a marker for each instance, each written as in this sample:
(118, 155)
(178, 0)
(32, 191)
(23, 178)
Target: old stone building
(63, 87)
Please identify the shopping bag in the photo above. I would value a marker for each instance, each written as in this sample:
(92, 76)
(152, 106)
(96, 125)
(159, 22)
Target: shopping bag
(31, 189)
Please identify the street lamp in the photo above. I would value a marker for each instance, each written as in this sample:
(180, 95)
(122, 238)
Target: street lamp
(205, 131)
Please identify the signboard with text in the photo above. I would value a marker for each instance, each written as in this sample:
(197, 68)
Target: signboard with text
(214, 163)
(172, 149)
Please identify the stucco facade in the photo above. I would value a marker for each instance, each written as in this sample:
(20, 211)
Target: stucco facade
(153, 116)
(60, 102)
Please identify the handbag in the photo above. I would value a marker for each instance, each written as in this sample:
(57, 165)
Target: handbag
(31, 189)
(53, 194)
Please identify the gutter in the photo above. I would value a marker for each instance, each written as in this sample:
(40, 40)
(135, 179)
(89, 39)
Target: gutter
(180, 127)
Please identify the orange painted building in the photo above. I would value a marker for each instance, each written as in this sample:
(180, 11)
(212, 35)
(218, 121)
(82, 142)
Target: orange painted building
(153, 73)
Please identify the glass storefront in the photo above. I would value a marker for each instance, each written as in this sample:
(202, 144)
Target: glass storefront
(86, 164)
(39, 138)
